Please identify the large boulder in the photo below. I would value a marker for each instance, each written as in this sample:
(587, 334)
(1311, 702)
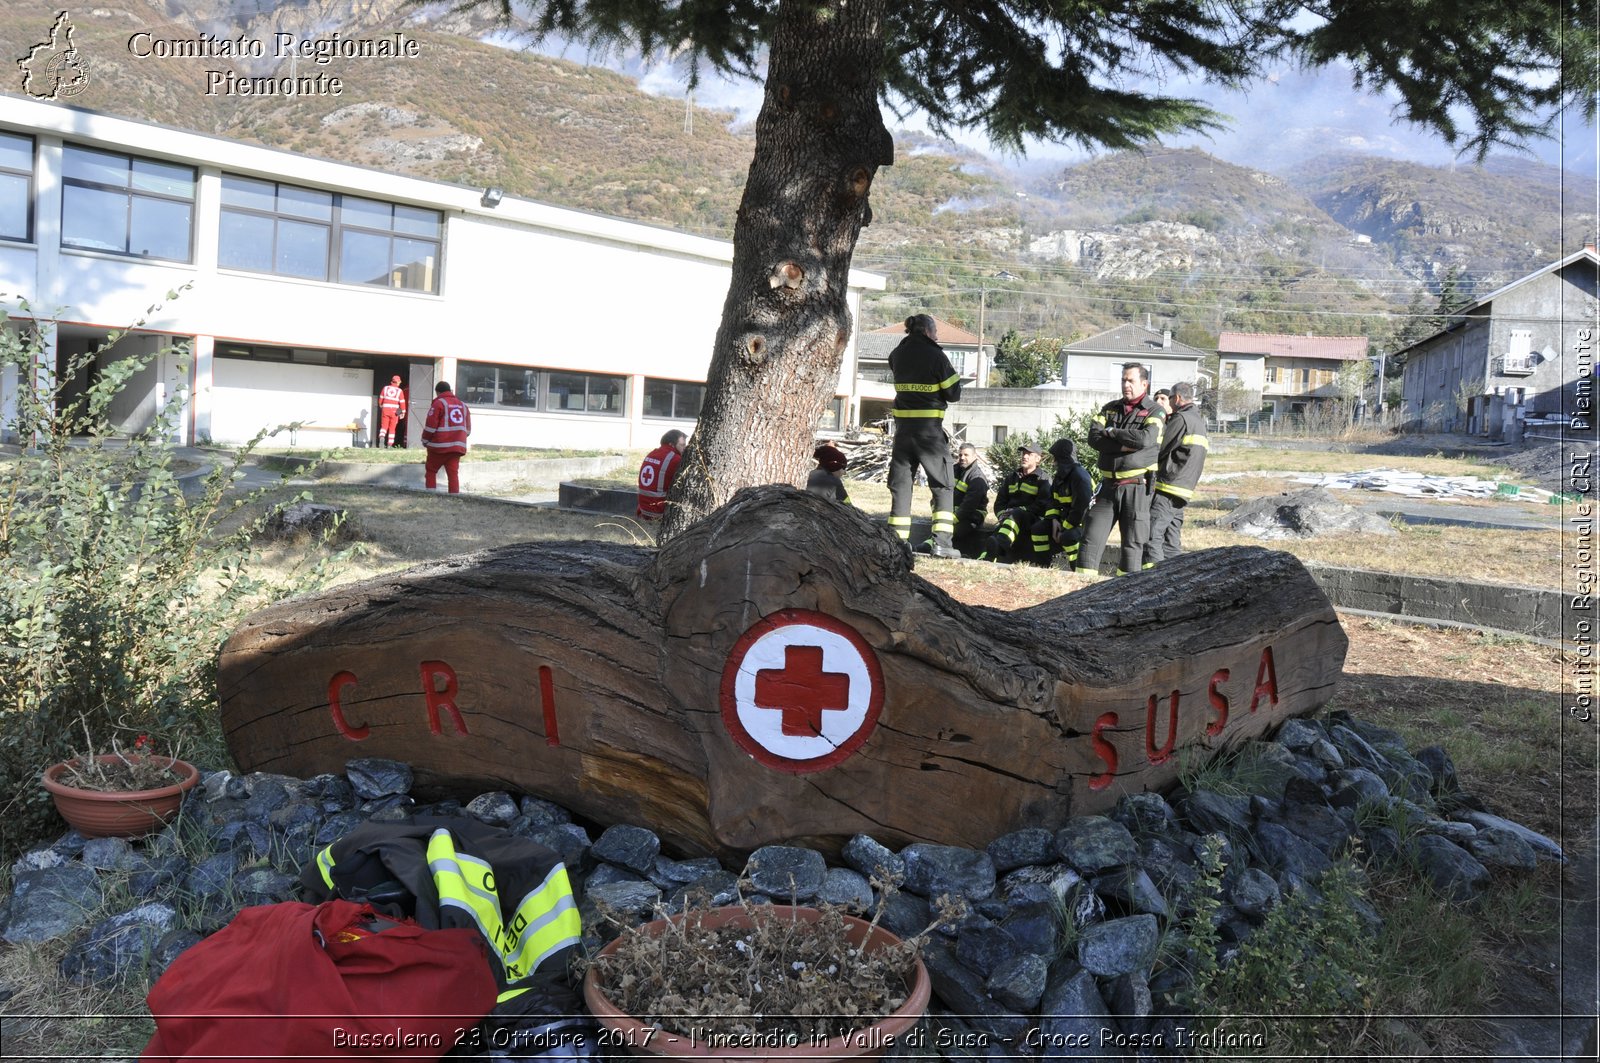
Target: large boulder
(1301, 515)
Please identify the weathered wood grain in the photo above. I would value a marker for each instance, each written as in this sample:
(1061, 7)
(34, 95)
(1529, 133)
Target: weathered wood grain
(599, 676)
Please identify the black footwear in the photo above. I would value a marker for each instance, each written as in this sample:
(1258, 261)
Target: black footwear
(925, 547)
(947, 552)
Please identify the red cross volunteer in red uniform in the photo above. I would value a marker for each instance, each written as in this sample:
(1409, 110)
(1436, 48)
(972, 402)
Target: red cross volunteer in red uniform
(445, 437)
(391, 407)
(656, 473)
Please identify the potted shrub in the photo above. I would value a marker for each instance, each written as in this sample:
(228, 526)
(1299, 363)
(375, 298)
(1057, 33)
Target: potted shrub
(753, 981)
(121, 794)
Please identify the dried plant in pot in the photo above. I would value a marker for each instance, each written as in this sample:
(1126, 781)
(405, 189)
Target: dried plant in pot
(758, 981)
(121, 794)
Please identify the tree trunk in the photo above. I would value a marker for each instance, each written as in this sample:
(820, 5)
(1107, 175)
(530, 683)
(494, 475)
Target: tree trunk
(820, 139)
(777, 673)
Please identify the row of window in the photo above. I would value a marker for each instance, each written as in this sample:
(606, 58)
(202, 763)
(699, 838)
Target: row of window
(142, 208)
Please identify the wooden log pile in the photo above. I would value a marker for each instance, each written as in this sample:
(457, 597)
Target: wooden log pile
(778, 673)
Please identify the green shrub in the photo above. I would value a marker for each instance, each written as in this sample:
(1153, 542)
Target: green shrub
(117, 587)
(1002, 457)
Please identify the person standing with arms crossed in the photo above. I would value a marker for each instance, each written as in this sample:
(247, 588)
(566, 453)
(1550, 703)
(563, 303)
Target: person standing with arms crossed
(1127, 434)
(925, 383)
(391, 407)
(445, 437)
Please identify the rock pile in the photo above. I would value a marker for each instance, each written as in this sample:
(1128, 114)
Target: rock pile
(1059, 947)
(1303, 514)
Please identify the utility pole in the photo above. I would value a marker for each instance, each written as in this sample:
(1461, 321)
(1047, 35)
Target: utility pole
(983, 303)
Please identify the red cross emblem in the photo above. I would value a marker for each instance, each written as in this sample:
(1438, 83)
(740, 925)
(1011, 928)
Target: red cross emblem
(801, 691)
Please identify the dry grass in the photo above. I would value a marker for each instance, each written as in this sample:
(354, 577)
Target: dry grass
(49, 1018)
(1339, 458)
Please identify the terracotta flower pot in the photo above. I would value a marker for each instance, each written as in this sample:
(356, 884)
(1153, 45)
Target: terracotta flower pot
(621, 1031)
(119, 813)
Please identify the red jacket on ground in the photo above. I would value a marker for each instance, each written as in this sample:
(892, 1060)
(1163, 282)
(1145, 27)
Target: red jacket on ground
(656, 473)
(449, 424)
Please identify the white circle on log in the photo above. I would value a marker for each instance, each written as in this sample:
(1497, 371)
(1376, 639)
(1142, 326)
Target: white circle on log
(801, 691)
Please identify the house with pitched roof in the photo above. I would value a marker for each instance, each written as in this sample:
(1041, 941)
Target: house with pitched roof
(874, 382)
(1094, 364)
(1292, 373)
(1523, 352)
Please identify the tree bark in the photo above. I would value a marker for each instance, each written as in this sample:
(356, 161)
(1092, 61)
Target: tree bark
(820, 139)
(776, 673)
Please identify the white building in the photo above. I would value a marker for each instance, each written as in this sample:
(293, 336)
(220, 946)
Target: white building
(306, 284)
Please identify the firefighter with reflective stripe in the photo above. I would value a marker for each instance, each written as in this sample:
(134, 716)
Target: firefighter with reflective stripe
(657, 473)
(1126, 433)
(391, 408)
(972, 501)
(1060, 530)
(445, 437)
(1023, 497)
(453, 871)
(825, 479)
(1183, 458)
(925, 383)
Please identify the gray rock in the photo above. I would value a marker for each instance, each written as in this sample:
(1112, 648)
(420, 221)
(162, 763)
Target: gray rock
(1145, 812)
(964, 993)
(213, 876)
(295, 817)
(542, 813)
(264, 885)
(373, 777)
(393, 808)
(1018, 983)
(568, 840)
(1254, 894)
(865, 855)
(107, 854)
(712, 890)
(1133, 890)
(495, 808)
(607, 874)
(1317, 824)
(1298, 735)
(1503, 848)
(50, 902)
(628, 846)
(332, 793)
(1381, 843)
(1211, 812)
(1326, 753)
(1451, 869)
(847, 888)
(1303, 514)
(1129, 996)
(1072, 1015)
(1272, 768)
(159, 878)
(173, 944)
(119, 947)
(984, 946)
(1036, 928)
(248, 837)
(786, 871)
(1119, 946)
(904, 914)
(1547, 849)
(670, 873)
(1441, 769)
(266, 793)
(336, 826)
(1354, 787)
(1094, 843)
(1358, 751)
(1023, 848)
(1280, 850)
(38, 860)
(628, 898)
(937, 870)
(1460, 833)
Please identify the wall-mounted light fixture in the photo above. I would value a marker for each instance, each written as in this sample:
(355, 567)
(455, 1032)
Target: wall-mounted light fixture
(492, 196)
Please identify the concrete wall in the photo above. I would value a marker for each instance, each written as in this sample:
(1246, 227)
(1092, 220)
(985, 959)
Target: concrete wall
(982, 411)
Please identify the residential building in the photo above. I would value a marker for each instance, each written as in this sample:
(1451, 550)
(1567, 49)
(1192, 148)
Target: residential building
(876, 384)
(1093, 365)
(1524, 351)
(302, 285)
(1291, 373)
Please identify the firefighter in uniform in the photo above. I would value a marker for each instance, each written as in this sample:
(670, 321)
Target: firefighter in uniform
(972, 501)
(657, 473)
(391, 408)
(925, 383)
(445, 437)
(1060, 530)
(1183, 457)
(1020, 502)
(1126, 433)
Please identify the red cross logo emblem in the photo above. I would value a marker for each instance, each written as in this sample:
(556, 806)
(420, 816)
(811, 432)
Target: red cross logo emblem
(801, 691)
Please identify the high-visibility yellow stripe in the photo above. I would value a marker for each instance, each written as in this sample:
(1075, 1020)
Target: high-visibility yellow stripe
(1027, 488)
(1176, 492)
(549, 920)
(1125, 474)
(1195, 441)
(899, 522)
(949, 381)
(1099, 418)
(325, 865)
(924, 389)
(918, 413)
(945, 526)
(943, 514)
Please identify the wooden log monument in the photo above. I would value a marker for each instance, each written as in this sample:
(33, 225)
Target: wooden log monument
(777, 673)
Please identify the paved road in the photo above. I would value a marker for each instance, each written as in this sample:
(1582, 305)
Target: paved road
(1513, 515)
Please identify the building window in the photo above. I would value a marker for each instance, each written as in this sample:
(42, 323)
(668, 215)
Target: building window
(126, 205)
(1000, 433)
(673, 398)
(1230, 370)
(1272, 374)
(833, 416)
(16, 187)
(269, 227)
(520, 388)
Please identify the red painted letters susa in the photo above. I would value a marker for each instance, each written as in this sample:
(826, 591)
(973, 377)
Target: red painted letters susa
(336, 684)
(1162, 755)
(1219, 701)
(1106, 751)
(441, 699)
(1266, 680)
